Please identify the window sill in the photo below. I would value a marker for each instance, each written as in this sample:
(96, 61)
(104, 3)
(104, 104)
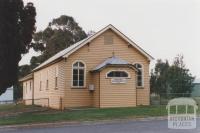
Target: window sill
(78, 87)
(118, 77)
(140, 87)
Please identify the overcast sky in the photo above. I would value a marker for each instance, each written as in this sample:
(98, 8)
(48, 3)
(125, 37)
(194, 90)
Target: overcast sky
(164, 28)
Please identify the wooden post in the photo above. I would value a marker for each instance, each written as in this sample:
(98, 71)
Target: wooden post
(61, 108)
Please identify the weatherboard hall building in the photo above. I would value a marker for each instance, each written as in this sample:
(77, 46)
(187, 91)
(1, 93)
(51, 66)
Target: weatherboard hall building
(106, 69)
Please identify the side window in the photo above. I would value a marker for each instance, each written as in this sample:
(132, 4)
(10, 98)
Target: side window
(56, 82)
(56, 77)
(117, 74)
(139, 76)
(47, 80)
(78, 74)
(26, 87)
(40, 87)
(47, 84)
(30, 85)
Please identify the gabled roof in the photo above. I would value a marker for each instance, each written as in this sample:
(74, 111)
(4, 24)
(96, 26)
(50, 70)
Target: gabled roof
(111, 61)
(68, 51)
(27, 77)
(60, 54)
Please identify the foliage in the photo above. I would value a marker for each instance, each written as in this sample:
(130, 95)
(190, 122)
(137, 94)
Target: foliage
(179, 77)
(159, 78)
(17, 25)
(171, 79)
(60, 34)
(18, 89)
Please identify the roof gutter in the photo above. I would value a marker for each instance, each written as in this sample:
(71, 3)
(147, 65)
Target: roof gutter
(53, 62)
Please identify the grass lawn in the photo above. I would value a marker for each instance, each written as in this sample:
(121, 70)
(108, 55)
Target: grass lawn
(14, 108)
(78, 115)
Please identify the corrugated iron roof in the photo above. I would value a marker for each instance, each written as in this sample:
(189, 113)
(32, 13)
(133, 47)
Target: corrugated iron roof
(111, 61)
(60, 54)
(66, 52)
(27, 77)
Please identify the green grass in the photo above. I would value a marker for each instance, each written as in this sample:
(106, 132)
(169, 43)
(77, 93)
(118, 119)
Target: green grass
(83, 115)
(20, 108)
(13, 107)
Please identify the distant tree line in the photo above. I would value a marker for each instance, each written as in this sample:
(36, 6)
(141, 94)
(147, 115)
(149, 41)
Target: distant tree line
(174, 78)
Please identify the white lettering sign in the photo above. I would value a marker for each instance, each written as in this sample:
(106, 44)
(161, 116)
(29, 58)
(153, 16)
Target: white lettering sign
(118, 80)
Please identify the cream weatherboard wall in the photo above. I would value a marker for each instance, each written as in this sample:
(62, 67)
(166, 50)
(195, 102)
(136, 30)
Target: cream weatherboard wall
(92, 54)
(45, 85)
(95, 95)
(28, 91)
(117, 94)
(95, 53)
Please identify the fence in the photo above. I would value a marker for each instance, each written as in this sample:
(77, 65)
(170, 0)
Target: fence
(39, 101)
(7, 102)
(44, 102)
(163, 98)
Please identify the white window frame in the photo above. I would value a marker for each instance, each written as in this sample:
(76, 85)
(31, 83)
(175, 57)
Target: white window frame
(84, 83)
(47, 80)
(57, 71)
(40, 87)
(47, 84)
(26, 87)
(142, 86)
(30, 85)
(56, 76)
(120, 71)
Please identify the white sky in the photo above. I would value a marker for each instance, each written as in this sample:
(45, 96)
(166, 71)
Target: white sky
(164, 28)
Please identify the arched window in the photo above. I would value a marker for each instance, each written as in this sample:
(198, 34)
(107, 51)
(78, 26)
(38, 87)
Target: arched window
(117, 74)
(139, 74)
(78, 74)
